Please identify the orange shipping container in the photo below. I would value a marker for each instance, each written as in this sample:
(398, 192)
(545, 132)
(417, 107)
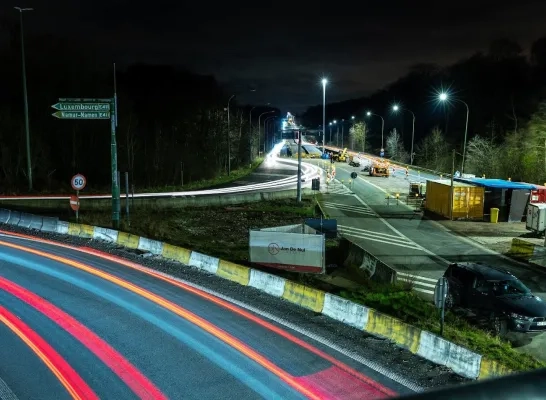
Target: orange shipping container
(467, 199)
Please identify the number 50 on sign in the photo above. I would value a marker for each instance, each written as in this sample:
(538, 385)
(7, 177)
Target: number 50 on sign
(78, 182)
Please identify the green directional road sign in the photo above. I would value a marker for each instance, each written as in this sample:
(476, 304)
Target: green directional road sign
(82, 115)
(81, 106)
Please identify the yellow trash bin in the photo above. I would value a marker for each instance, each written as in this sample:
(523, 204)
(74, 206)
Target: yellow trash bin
(494, 215)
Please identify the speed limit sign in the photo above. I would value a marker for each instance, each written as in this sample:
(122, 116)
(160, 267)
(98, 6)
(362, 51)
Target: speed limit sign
(78, 182)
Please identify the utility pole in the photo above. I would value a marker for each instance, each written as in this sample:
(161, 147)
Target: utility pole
(116, 201)
(299, 168)
(250, 136)
(25, 95)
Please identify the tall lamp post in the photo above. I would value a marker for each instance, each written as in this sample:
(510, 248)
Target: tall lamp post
(228, 137)
(324, 82)
(25, 95)
(369, 114)
(444, 97)
(259, 128)
(396, 108)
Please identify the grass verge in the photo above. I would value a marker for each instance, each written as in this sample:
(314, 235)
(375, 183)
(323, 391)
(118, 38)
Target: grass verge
(398, 300)
(217, 231)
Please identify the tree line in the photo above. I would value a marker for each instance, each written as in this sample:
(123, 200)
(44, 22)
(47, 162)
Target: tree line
(172, 123)
(505, 90)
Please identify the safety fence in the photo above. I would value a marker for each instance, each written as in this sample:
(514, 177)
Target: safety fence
(425, 344)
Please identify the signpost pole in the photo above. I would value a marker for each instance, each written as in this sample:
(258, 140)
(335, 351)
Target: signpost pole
(115, 181)
(127, 194)
(299, 168)
(78, 209)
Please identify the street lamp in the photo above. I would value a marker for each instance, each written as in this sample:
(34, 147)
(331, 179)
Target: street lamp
(27, 125)
(396, 108)
(324, 82)
(445, 97)
(228, 137)
(369, 114)
(259, 128)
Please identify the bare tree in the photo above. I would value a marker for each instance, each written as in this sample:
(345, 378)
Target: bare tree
(433, 151)
(395, 147)
(482, 157)
(357, 133)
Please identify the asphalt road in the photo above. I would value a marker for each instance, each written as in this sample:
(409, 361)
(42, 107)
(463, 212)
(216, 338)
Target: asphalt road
(415, 246)
(72, 323)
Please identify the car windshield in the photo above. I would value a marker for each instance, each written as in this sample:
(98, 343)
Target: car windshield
(503, 288)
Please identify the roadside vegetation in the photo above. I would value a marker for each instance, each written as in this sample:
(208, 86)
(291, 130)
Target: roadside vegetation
(217, 231)
(398, 300)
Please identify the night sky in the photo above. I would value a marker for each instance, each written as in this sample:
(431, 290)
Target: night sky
(283, 49)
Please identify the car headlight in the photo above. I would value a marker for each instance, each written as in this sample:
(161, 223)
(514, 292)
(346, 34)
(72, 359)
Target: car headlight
(518, 316)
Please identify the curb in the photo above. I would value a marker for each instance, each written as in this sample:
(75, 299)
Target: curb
(423, 343)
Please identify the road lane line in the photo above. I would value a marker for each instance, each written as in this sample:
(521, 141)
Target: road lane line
(67, 376)
(181, 312)
(5, 392)
(240, 309)
(128, 373)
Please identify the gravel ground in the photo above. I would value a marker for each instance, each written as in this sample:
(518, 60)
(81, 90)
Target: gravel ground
(383, 353)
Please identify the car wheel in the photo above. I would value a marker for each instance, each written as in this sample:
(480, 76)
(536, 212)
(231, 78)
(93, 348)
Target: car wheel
(450, 301)
(499, 325)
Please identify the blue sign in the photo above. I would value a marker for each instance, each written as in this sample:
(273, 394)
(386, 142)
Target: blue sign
(382, 154)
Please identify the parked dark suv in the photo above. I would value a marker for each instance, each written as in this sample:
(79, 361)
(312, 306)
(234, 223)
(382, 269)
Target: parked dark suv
(496, 294)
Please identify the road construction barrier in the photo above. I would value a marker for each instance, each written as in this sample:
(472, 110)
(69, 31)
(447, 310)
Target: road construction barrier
(425, 344)
(399, 332)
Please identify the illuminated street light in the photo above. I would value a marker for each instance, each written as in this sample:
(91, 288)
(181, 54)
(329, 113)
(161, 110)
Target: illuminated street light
(324, 83)
(396, 108)
(369, 114)
(353, 117)
(443, 96)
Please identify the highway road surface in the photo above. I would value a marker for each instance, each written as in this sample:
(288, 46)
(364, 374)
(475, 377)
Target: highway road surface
(76, 323)
(274, 174)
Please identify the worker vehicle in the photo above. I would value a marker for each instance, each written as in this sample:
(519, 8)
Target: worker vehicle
(380, 168)
(354, 161)
(341, 157)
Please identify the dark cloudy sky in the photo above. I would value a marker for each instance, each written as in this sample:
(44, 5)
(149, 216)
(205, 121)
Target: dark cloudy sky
(284, 48)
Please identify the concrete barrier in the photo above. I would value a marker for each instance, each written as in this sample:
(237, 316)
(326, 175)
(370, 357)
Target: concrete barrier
(303, 296)
(25, 220)
(204, 262)
(233, 272)
(492, 369)
(149, 245)
(398, 331)
(531, 250)
(151, 203)
(345, 311)
(108, 235)
(271, 284)
(425, 344)
(176, 253)
(460, 360)
(364, 263)
(36, 222)
(49, 224)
